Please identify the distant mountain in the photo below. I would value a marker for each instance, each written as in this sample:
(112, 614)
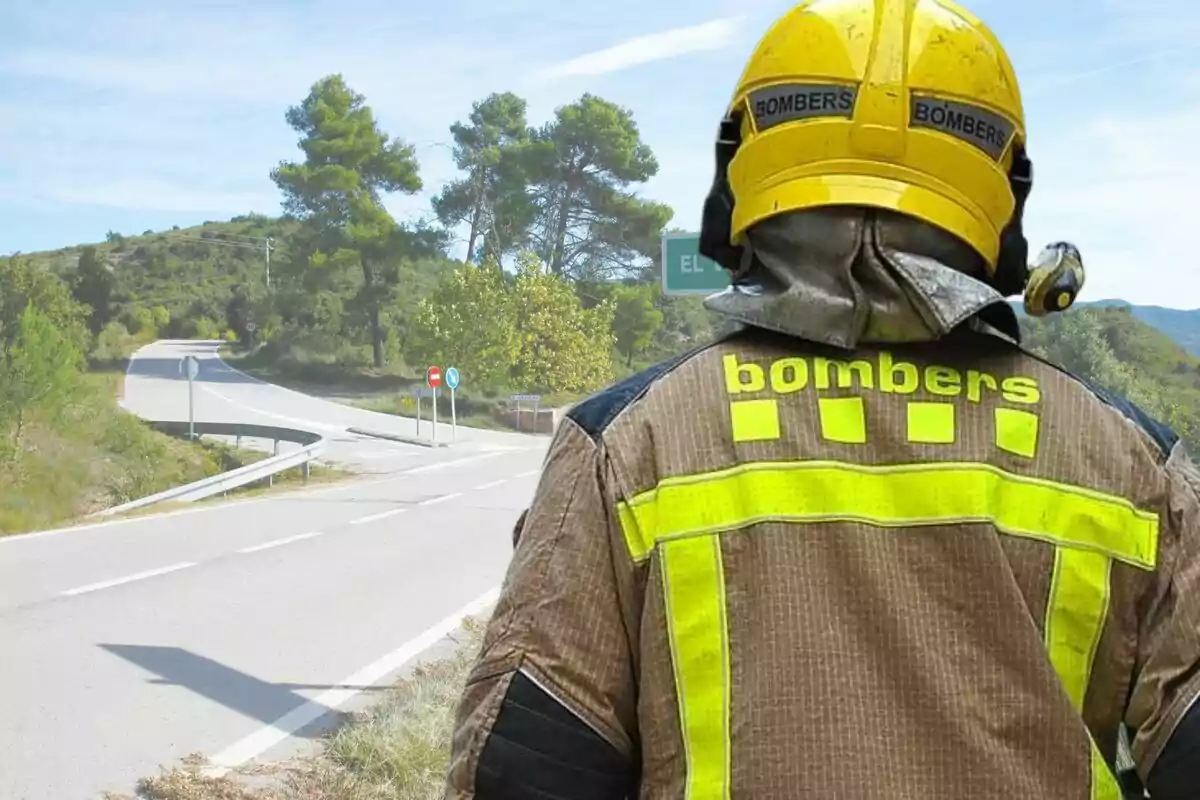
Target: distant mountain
(1182, 326)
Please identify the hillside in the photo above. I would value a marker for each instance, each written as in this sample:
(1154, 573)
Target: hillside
(191, 273)
(1109, 345)
(1183, 326)
(66, 448)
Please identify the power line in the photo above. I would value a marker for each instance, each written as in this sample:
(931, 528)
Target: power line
(266, 247)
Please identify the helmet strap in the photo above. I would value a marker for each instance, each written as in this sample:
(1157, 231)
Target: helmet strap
(716, 226)
(1012, 264)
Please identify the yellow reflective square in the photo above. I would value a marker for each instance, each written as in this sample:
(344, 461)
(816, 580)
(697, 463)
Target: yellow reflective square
(843, 419)
(931, 423)
(754, 420)
(1017, 431)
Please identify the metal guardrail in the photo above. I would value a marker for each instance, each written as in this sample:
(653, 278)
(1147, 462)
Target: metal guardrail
(313, 446)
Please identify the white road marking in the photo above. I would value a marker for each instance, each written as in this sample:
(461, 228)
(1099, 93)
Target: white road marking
(441, 499)
(305, 423)
(528, 472)
(450, 463)
(491, 485)
(377, 517)
(280, 542)
(267, 737)
(220, 505)
(150, 573)
(375, 456)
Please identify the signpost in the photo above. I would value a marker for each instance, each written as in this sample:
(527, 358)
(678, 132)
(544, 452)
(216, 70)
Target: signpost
(417, 393)
(452, 384)
(536, 399)
(190, 367)
(433, 378)
(685, 271)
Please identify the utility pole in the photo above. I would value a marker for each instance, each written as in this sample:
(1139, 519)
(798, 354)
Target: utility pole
(248, 242)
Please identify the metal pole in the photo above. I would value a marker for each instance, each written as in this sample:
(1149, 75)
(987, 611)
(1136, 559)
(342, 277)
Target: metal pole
(268, 247)
(191, 407)
(453, 419)
(518, 413)
(537, 405)
(435, 413)
(418, 396)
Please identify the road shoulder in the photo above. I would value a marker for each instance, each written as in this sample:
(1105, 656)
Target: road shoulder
(394, 744)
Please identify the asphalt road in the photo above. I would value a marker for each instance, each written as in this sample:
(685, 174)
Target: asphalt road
(155, 388)
(234, 630)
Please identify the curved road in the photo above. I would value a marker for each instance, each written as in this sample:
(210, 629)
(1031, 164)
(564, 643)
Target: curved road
(234, 630)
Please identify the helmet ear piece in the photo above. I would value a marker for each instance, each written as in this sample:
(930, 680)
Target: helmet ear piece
(1012, 264)
(716, 227)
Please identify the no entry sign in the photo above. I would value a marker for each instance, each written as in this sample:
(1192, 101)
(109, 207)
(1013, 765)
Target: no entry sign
(433, 377)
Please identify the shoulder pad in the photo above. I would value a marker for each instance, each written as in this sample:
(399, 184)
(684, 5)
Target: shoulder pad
(1165, 438)
(597, 412)
(1162, 434)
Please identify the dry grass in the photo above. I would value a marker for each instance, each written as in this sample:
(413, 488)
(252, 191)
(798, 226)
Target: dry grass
(398, 749)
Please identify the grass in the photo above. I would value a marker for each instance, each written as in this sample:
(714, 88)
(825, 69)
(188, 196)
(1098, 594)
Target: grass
(398, 749)
(92, 455)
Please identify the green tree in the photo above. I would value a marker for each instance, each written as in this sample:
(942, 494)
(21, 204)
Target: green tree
(139, 321)
(40, 368)
(93, 286)
(581, 167)
(635, 319)
(23, 283)
(160, 317)
(349, 164)
(469, 322)
(564, 347)
(490, 199)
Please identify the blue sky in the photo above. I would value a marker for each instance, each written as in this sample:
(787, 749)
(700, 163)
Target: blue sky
(140, 114)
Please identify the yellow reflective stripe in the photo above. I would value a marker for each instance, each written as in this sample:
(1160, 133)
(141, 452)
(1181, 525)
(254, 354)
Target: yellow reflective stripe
(682, 516)
(1075, 616)
(694, 581)
(889, 496)
(1104, 783)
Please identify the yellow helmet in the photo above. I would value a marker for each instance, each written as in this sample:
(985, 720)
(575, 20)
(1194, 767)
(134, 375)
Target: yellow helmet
(908, 105)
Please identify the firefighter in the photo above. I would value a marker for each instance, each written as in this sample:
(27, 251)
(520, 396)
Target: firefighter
(867, 546)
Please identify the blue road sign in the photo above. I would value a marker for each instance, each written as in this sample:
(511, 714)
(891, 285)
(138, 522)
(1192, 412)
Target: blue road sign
(452, 377)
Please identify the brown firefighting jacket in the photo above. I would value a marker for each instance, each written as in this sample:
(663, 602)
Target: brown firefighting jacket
(770, 570)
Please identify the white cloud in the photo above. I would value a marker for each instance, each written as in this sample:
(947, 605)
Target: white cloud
(713, 35)
(1123, 188)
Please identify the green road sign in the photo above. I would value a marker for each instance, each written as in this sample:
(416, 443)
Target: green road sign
(685, 271)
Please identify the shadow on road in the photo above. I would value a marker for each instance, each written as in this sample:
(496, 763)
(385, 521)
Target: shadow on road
(211, 371)
(235, 690)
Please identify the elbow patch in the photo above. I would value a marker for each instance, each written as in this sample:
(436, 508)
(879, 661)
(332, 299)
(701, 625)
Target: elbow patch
(1176, 773)
(539, 749)
(516, 534)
